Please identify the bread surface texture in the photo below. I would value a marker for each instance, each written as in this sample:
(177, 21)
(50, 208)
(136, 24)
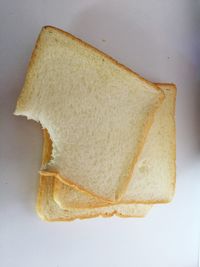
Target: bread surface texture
(97, 112)
(154, 177)
(51, 210)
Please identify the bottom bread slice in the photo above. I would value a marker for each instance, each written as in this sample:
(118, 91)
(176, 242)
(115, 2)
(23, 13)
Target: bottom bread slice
(49, 210)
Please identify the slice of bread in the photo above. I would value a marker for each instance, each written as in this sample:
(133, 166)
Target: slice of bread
(97, 112)
(49, 210)
(153, 180)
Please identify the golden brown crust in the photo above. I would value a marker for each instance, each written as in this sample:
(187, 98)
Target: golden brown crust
(174, 180)
(39, 198)
(59, 219)
(47, 148)
(171, 85)
(39, 208)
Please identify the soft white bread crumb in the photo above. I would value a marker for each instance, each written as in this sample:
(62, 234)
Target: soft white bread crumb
(96, 111)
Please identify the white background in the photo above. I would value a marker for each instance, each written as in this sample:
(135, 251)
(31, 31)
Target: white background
(160, 40)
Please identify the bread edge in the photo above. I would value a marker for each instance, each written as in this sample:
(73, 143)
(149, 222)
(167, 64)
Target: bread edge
(40, 213)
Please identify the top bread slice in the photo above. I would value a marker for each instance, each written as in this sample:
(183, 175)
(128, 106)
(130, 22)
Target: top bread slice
(97, 112)
(153, 179)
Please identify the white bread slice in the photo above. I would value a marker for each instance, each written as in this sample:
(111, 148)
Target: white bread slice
(97, 112)
(49, 210)
(153, 180)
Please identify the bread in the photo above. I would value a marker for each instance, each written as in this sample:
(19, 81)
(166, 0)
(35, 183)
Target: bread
(68, 197)
(45, 203)
(49, 210)
(153, 180)
(154, 177)
(97, 113)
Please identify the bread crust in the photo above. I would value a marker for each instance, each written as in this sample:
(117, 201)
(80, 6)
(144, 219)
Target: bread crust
(172, 87)
(41, 214)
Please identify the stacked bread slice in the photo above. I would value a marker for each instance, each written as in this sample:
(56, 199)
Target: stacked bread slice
(109, 135)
